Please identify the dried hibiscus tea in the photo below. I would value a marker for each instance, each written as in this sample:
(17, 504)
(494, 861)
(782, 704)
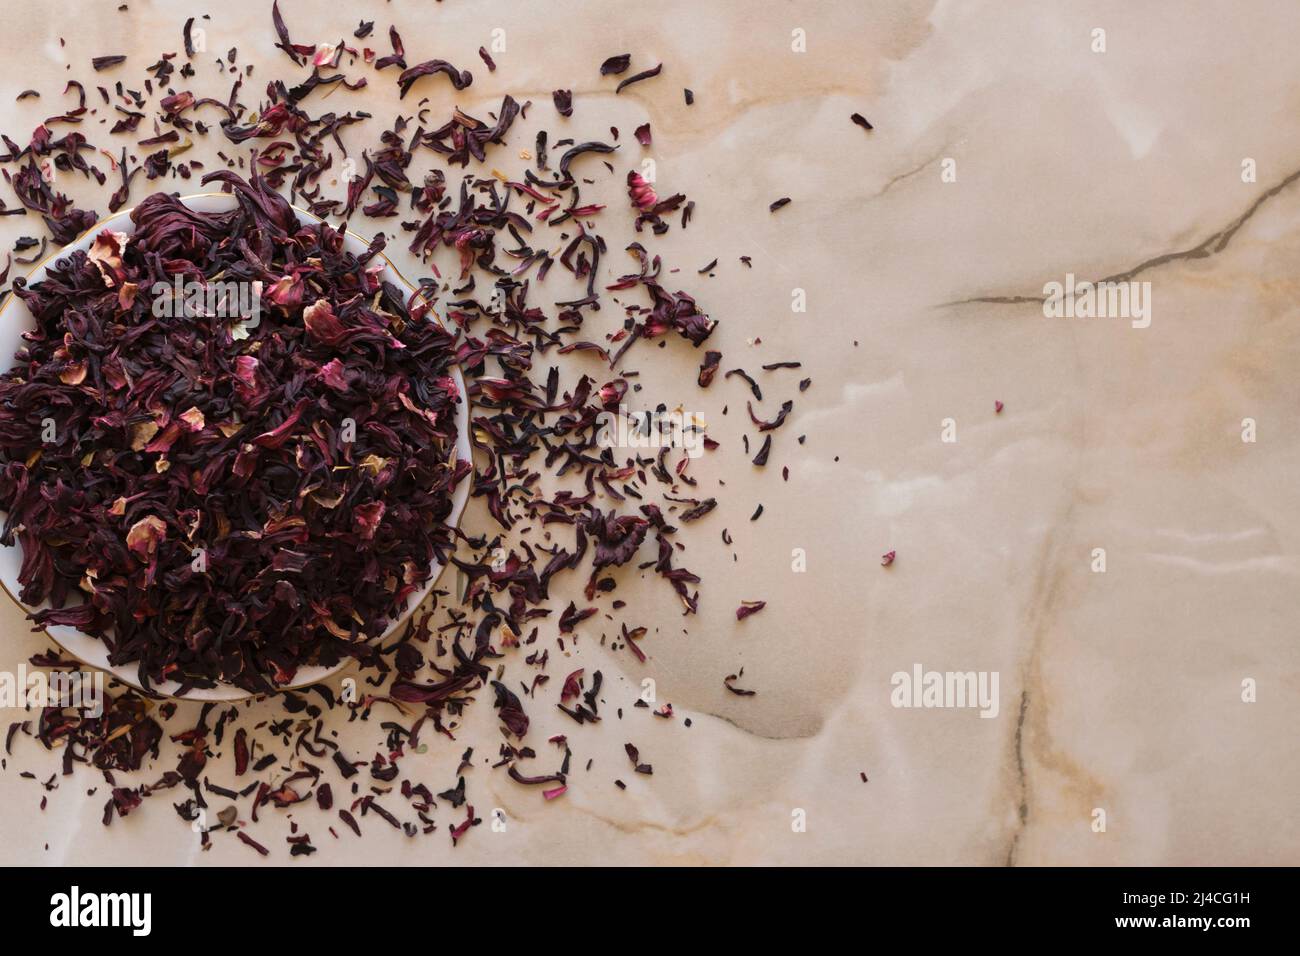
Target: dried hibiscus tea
(217, 420)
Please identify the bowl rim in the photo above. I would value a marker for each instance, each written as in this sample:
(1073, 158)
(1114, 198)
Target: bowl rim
(229, 693)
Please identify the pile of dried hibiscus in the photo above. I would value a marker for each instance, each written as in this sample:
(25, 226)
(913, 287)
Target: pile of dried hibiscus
(231, 502)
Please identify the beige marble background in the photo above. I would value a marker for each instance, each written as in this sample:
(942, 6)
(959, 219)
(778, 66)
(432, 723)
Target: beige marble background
(1119, 691)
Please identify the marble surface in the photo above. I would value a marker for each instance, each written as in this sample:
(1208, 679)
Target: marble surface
(1119, 691)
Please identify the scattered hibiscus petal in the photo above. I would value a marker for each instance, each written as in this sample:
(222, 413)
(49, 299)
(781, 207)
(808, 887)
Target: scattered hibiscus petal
(727, 682)
(615, 64)
(643, 75)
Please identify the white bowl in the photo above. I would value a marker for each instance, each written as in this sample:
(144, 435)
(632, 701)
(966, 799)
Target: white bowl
(16, 319)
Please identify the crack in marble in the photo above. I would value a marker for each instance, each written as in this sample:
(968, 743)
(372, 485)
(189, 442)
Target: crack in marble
(895, 180)
(1043, 605)
(1020, 776)
(643, 826)
(1036, 754)
(754, 733)
(1212, 245)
